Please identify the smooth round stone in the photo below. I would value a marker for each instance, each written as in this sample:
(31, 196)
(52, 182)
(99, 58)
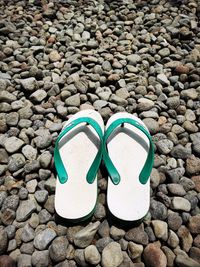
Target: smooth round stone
(179, 203)
(40, 258)
(92, 255)
(112, 255)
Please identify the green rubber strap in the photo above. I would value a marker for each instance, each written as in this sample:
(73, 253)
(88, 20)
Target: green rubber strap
(146, 171)
(61, 171)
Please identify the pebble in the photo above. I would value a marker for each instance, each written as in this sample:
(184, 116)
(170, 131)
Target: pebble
(3, 241)
(193, 225)
(134, 250)
(160, 229)
(24, 210)
(24, 261)
(44, 238)
(184, 261)
(153, 254)
(7, 261)
(13, 144)
(29, 84)
(92, 255)
(40, 258)
(29, 152)
(54, 56)
(164, 146)
(38, 96)
(180, 203)
(112, 255)
(137, 235)
(158, 210)
(58, 249)
(84, 237)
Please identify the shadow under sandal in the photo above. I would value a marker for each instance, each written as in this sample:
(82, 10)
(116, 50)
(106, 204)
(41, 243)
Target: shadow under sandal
(77, 156)
(128, 154)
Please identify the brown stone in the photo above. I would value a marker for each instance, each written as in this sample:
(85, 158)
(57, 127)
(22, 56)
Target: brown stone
(170, 256)
(137, 235)
(7, 216)
(193, 165)
(154, 256)
(185, 237)
(182, 69)
(196, 180)
(197, 241)
(6, 261)
(194, 224)
(184, 261)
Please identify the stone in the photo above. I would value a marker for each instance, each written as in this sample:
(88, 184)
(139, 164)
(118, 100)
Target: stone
(164, 146)
(162, 78)
(12, 118)
(112, 255)
(10, 202)
(195, 254)
(155, 178)
(185, 238)
(3, 241)
(73, 101)
(58, 249)
(45, 159)
(160, 229)
(181, 152)
(28, 233)
(182, 69)
(7, 261)
(43, 138)
(153, 254)
(38, 96)
(180, 203)
(84, 237)
(102, 243)
(44, 238)
(133, 59)
(54, 56)
(41, 196)
(137, 235)
(92, 255)
(184, 261)
(158, 210)
(8, 216)
(24, 260)
(13, 144)
(192, 165)
(4, 158)
(7, 97)
(29, 84)
(25, 209)
(80, 258)
(29, 152)
(40, 258)
(134, 250)
(194, 225)
(170, 256)
(173, 239)
(176, 189)
(116, 233)
(16, 162)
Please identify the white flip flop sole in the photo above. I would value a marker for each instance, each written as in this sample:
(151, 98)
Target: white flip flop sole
(128, 148)
(77, 198)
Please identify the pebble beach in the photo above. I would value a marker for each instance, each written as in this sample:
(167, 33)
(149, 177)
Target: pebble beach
(60, 57)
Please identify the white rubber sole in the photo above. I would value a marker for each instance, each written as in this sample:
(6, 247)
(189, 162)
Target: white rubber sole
(76, 198)
(128, 149)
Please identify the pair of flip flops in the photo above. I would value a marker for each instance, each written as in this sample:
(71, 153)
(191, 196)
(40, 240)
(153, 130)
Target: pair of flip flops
(127, 151)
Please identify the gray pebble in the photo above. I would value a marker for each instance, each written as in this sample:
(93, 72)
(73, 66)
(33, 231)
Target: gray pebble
(44, 238)
(40, 258)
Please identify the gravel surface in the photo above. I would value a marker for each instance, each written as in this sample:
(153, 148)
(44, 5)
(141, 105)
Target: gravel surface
(59, 57)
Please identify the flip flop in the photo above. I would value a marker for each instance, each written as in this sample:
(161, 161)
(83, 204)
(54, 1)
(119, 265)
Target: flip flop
(77, 156)
(128, 153)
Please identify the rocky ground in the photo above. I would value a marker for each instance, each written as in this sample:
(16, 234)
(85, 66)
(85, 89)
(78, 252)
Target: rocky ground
(59, 57)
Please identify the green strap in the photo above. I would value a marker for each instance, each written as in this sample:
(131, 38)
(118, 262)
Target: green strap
(62, 173)
(146, 171)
